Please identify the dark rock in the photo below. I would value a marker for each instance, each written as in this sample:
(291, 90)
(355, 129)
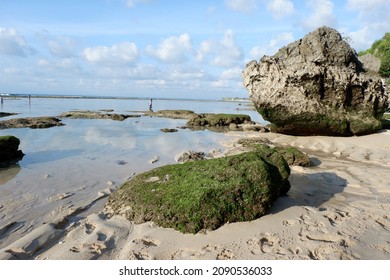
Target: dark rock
(217, 119)
(38, 122)
(168, 130)
(190, 156)
(317, 86)
(9, 150)
(204, 194)
(5, 114)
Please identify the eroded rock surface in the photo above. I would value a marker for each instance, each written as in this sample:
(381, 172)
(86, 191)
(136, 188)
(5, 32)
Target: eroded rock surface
(317, 86)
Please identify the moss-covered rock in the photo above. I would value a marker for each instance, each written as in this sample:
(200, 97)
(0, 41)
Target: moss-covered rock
(96, 115)
(205, 194)
(9, 152)
(173, 114)
(35, 122)
(292, 155)
(218, 119)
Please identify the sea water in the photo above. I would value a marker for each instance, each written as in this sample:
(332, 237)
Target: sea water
(67, 167)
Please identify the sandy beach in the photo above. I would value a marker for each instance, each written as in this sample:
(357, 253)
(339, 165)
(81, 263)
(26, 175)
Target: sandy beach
(338, 208)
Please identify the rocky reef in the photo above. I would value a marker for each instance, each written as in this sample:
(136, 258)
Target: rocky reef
(9, 150)
(205, 194)
(34, 122)
(317, 86)
(96, 115)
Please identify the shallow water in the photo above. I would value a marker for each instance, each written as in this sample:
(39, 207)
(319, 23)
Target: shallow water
(69, 166)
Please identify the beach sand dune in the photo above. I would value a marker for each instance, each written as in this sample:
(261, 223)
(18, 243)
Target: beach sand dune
(338, 208)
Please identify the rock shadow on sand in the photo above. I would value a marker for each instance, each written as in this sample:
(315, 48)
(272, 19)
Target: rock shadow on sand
(311, 190)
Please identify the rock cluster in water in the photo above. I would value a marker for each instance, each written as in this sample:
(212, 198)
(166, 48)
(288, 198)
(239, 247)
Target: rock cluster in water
(317, 86)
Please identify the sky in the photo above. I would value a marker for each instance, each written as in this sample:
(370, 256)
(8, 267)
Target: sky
(162, 48)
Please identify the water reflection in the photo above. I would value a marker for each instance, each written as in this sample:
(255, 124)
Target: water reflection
(8, 173)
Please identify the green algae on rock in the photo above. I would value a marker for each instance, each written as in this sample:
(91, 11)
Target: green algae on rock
(218, 119)
(34, 122)
(205, 194)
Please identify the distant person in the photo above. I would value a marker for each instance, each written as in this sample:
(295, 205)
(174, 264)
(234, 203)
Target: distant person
(151, 104)
(1, 99)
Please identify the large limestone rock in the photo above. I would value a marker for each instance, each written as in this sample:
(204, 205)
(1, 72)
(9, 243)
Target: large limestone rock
(316, 86)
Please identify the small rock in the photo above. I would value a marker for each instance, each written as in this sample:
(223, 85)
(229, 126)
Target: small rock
(154, 159)
(168, 130)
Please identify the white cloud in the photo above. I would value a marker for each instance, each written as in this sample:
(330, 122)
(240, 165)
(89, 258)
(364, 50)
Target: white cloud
(172, 50)
(245, 6)
(12, 43)
(232, 73)
(227, 53)
(365, 5)
(280, 8)
(119, 54)
(272, 47)
(322, 14)
(373, 20)
(62, 47)
(361, 39)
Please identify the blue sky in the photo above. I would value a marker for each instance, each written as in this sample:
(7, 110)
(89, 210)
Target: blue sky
(156, 48)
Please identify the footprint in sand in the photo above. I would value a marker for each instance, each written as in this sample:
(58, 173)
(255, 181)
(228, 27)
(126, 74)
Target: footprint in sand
(141, 255)
(226, 254)
(89, 228)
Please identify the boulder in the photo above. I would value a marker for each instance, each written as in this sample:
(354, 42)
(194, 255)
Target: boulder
(317, 86)
(204, 194)
(9, 150)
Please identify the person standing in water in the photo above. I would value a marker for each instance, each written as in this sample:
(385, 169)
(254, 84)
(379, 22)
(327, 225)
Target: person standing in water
(151, 104)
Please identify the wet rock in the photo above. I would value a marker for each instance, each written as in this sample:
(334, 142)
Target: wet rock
(190, 156)
(173, 114)
(96, 115)
(317, 86)
(168, 130)
(204, 194)
(38, 122)
(211, 120)
(9, 150)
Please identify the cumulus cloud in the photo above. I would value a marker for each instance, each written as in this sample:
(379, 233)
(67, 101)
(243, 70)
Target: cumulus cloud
(12, 43)
(227, 53)
(280, 8)
(245, 6)
(119, 54)
(62, 47)
(272, 47)
(321, 14)
(373, 19)
(174, 49)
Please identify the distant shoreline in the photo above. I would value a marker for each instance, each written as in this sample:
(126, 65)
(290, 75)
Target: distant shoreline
(223, 99)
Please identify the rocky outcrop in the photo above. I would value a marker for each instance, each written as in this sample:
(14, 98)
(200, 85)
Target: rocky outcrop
(9, 150)
(35, 122)
(204, 194)
(316, 86)
(218, 119)
(96, 115)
